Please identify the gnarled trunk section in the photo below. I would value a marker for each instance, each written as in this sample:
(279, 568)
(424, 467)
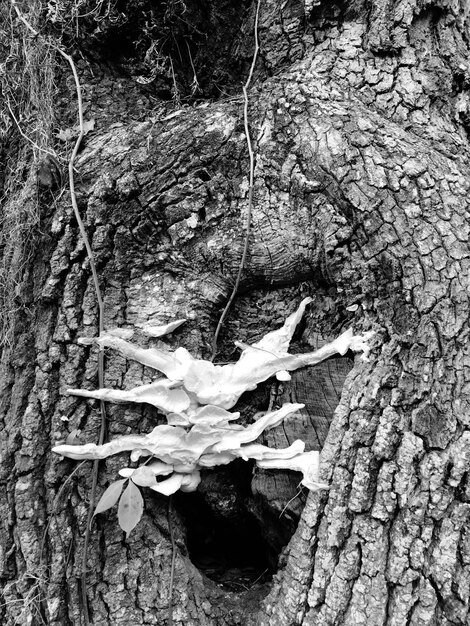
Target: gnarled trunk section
(359, 120)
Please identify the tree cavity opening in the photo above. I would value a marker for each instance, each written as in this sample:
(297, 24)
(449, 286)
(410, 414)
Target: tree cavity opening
(241, 518)
(225, 537)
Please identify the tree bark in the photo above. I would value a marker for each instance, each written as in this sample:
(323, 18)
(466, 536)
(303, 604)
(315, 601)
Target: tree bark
(359, 117)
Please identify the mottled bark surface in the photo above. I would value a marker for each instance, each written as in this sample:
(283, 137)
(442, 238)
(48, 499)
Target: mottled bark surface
(359, 117)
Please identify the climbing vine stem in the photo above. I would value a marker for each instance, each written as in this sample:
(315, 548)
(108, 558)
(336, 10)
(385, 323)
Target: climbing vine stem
(173, 560)
(250, 189)
(99, 299)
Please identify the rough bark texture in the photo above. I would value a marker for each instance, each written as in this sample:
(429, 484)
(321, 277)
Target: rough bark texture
(360, 119)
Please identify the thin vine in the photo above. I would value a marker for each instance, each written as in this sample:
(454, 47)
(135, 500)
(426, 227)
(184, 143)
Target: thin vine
(173, 561)
(250, 189)
(99, 299)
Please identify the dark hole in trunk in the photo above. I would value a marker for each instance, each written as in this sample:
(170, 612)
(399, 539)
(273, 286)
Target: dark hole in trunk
(241, 518)
(225, 539)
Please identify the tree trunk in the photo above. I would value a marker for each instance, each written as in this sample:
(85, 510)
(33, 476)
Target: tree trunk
(359, 119)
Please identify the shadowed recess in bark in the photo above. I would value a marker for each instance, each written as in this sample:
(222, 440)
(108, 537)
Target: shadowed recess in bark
(224, 540)
(176, 49)
(241, 518)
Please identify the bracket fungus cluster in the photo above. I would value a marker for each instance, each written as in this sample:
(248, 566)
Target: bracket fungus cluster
(196, 396)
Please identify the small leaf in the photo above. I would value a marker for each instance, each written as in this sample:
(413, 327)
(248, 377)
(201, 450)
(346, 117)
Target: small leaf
(143, 476)
(131, 507)
(126, 472)
(109, 497)
(70, 133)
(88, 125)
(67, 135)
